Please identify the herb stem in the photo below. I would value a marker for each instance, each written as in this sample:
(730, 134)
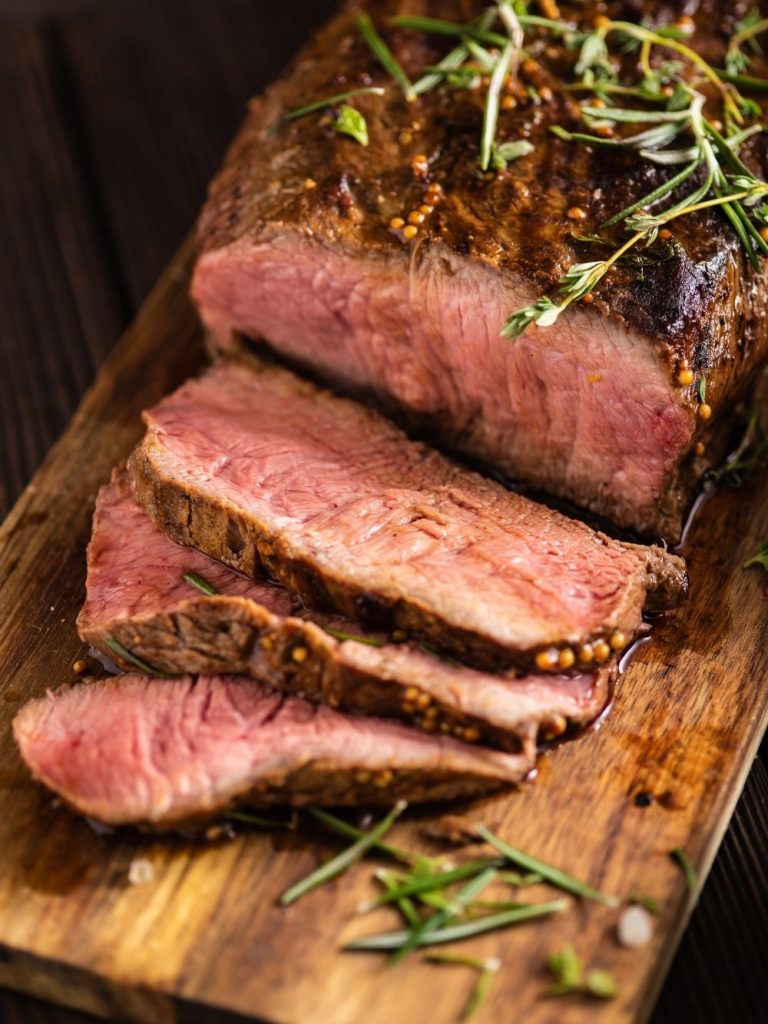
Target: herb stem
(133, 659)
(463, 930)
(550, 874)
(437, 881)
(343, 828)
(199, 583)
(331, 101)
(384, 55)
(491, 114)
(339, 864)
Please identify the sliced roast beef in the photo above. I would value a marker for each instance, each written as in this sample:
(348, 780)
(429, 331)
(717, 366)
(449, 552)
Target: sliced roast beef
(265, 471)
(139, 606)
(137, 749)
(297, 249)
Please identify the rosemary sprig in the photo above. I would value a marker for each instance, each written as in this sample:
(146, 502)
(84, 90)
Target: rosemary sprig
(463, 930)
(343, 828)
(384, 55)
(340, 634)
(686, 865)
(486, 969)
(761, 558)
(199, 583)
(456, 906)
(344, 860)
(331, 101)
(133, 659)
(437, 881)
(553, 875)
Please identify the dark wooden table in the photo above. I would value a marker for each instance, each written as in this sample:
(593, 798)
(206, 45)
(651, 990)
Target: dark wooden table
(114, 115)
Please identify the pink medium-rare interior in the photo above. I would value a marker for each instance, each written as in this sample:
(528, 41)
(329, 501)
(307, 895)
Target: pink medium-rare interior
(134, 570)
(349, 492)
(126, 546)
(137, 749)
(584, 405)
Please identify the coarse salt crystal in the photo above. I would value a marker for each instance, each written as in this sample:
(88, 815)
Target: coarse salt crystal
(635, 928)
(141, 872)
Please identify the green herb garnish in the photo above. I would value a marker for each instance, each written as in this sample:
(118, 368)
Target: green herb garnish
(415, 886)
(133, 659)
(384, 55)
(343, 828)
(331, 101)
(507, 152)
(486, 968)
(199, 583)
(648, 902)
(681, 857)
(553, 875)
(569, 976)
(351, 122)
(464, 930)
(340, 634)
(761, 558)
(344, 860)
(505, 65)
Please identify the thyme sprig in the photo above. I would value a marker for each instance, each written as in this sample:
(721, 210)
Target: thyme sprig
(702, 148)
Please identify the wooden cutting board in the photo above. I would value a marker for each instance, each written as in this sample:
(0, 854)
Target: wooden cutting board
(207, 932)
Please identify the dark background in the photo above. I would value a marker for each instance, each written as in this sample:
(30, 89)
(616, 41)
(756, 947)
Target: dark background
(113, 115)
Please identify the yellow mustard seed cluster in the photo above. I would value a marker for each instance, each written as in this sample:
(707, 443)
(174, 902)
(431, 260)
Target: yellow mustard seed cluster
(561, 659)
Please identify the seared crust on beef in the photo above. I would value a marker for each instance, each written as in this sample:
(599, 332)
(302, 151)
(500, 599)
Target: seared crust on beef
(136, 594)
(138, 750)
(702, 302)
(296, 491)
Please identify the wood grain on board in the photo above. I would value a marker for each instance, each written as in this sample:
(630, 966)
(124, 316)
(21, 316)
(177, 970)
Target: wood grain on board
(689, 713)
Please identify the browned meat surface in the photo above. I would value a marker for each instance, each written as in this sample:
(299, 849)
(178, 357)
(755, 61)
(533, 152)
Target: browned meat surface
(137, 750)
(267, 472)
(137, 595)
(296, 249)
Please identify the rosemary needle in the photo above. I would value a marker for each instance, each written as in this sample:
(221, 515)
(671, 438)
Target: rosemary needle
(331, 101)
(556, 877)
(351, 832)
(436, 881)
(340, 634)
(681, 857)
(133, 659)
(460, 902)
(463, 930)
(384, 55)
(199, 583)
(339, 864)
